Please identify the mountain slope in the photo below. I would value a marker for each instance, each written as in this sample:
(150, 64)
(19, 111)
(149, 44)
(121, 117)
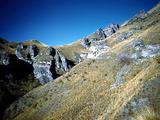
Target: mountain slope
(119, 84)
(26, 65)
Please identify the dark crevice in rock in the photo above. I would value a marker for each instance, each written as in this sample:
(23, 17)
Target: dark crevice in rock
(19, 68)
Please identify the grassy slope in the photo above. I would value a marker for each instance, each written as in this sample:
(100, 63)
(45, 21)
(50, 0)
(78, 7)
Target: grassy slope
(85, 92)
(69, 50)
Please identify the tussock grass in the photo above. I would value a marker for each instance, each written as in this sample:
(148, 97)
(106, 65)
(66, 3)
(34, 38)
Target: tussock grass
(69, 50)
(147, 114)
(84, 93)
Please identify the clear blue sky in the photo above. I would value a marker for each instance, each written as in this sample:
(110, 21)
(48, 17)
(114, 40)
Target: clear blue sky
(59, 22)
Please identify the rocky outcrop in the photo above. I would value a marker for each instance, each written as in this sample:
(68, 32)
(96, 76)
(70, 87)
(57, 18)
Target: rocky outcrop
(96, 51)
(99, 35)
(138, 51)
(144, 51)
(49, 64)
(60, 62)
(125, 36)
(86, 43)
(32, 51)
(137, 44)
(26, 53)
(42, 71)
(43, 66)
(111, 29)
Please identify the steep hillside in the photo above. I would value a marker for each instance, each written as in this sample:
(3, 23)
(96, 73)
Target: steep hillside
(26, 65)
(117, 77)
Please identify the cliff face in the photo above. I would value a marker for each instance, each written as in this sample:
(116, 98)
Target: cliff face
(24, 67)
(116, 76)
(49, 64)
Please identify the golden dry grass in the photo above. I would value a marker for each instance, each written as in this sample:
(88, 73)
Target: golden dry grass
(147, 114)
(85, 94)
(69, 50)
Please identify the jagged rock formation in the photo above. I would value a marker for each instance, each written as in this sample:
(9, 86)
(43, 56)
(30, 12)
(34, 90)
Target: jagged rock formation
(49, 64)
(26, 53)
(111, 29)
(32, 50)
(100, 34)
(86, 43)
(95, 51)
(94, 45)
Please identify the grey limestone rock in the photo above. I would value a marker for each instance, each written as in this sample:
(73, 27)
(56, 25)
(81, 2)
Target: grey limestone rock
(86, 43)
(26, 53)
(49, 64)
(125, 35)
(111, 29)
(101, 33)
